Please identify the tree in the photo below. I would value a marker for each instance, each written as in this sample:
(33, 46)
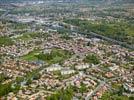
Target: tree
(66, 94)
(92, 58)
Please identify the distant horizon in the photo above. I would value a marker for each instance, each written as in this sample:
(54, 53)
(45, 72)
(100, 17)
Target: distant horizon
(97, 1)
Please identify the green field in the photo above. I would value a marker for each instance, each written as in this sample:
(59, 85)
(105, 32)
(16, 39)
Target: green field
(31, 56)
(56, 56)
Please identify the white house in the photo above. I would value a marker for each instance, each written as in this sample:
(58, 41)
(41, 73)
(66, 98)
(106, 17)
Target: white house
(82, 66)
(67, 72)
(54, 67)
(114, 67)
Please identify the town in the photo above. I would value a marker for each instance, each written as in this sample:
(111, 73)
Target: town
(51, 51)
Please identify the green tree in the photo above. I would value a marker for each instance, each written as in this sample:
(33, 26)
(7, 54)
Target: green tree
(92, 58)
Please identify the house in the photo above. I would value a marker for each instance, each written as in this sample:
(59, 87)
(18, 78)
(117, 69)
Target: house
(113, 68)
(54, 67)
(67, 71)
(82, 66)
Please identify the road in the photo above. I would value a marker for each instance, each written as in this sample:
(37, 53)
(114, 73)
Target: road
(95, 90)
(102, 83)
(112, 79)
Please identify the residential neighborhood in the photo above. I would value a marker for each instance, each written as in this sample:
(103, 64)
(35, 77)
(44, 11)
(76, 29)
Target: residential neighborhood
(50, 51)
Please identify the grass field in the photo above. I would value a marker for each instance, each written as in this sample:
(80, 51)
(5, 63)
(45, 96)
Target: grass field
(56, 56)
(31, 56)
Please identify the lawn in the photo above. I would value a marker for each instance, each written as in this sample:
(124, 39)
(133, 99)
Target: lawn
(31, 56)
(56, 56)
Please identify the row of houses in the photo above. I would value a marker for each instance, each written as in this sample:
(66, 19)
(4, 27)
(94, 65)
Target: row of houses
(66, 70)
